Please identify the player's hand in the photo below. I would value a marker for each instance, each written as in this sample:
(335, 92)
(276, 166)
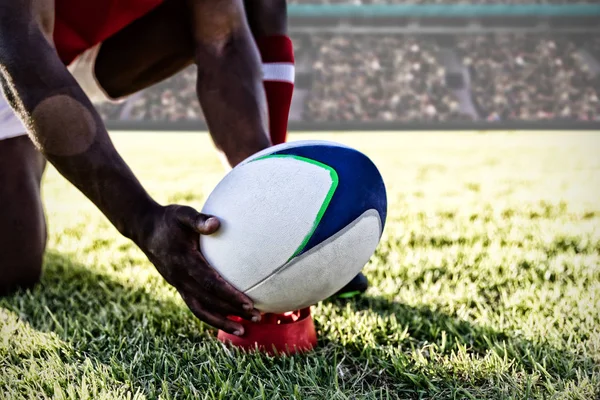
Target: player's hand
(173, 246)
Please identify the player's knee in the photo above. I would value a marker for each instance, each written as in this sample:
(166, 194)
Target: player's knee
(22, 223)
(21, 272)
(22, 254)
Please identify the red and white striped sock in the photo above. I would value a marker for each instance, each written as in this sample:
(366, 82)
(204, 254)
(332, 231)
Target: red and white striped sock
(277, 54)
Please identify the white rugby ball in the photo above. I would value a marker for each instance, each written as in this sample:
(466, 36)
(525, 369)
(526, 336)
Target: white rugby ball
(298, 222)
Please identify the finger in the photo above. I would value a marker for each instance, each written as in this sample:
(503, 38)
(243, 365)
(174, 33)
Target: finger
(216, 304)
(218, 321)
(214, 283)
(200, 223)
(225, 308)
(221, 306)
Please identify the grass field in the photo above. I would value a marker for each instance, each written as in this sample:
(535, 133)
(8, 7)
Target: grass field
(486, 284)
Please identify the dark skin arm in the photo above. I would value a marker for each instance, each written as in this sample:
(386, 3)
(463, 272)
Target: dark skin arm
(65, 127)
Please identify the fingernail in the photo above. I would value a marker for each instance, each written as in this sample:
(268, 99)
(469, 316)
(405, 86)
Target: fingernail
(247, 307)
(206, 224)
(238, 333)
(211, 220)
(256, 318)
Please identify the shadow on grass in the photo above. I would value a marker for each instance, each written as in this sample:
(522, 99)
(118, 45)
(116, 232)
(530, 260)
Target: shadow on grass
(438, 334)
(146, 342)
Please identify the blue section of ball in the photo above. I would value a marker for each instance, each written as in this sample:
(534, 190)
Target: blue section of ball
(360, 188)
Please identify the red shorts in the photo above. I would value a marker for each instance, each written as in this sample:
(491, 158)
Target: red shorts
(81, 24)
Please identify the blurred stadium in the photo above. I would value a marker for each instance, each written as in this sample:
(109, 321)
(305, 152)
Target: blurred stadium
(391, 64)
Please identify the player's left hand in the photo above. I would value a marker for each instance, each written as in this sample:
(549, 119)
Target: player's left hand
(173, 246)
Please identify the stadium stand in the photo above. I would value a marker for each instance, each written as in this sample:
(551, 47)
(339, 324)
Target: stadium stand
(530, 77)
(526, 77)
(360, 2)
(370, 78)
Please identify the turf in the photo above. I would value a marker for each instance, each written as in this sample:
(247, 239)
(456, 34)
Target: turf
(486, 284)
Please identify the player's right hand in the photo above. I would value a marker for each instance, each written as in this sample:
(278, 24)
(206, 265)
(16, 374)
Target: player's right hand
(173, 246)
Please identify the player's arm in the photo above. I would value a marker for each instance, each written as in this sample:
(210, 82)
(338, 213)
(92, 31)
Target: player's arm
(229, 85)
(66, 128)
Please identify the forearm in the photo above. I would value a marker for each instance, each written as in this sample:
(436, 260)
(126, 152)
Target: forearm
(65, 127)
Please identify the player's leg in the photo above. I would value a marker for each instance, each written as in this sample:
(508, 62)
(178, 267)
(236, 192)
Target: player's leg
(268, 23)
(159, 45)
(147, 51)
(22, 223)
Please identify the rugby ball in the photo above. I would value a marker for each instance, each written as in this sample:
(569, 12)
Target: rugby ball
(298, 222)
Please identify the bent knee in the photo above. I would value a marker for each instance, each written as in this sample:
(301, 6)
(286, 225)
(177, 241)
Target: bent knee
(19, 274)
(21, 257)
(22, 222)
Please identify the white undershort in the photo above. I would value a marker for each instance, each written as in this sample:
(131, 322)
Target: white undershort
(82, 69)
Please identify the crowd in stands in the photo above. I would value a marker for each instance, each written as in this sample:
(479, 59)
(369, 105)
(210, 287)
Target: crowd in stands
(592, 44)
(530, 77)
(364, 77)
(360, 2)
(374, 78)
